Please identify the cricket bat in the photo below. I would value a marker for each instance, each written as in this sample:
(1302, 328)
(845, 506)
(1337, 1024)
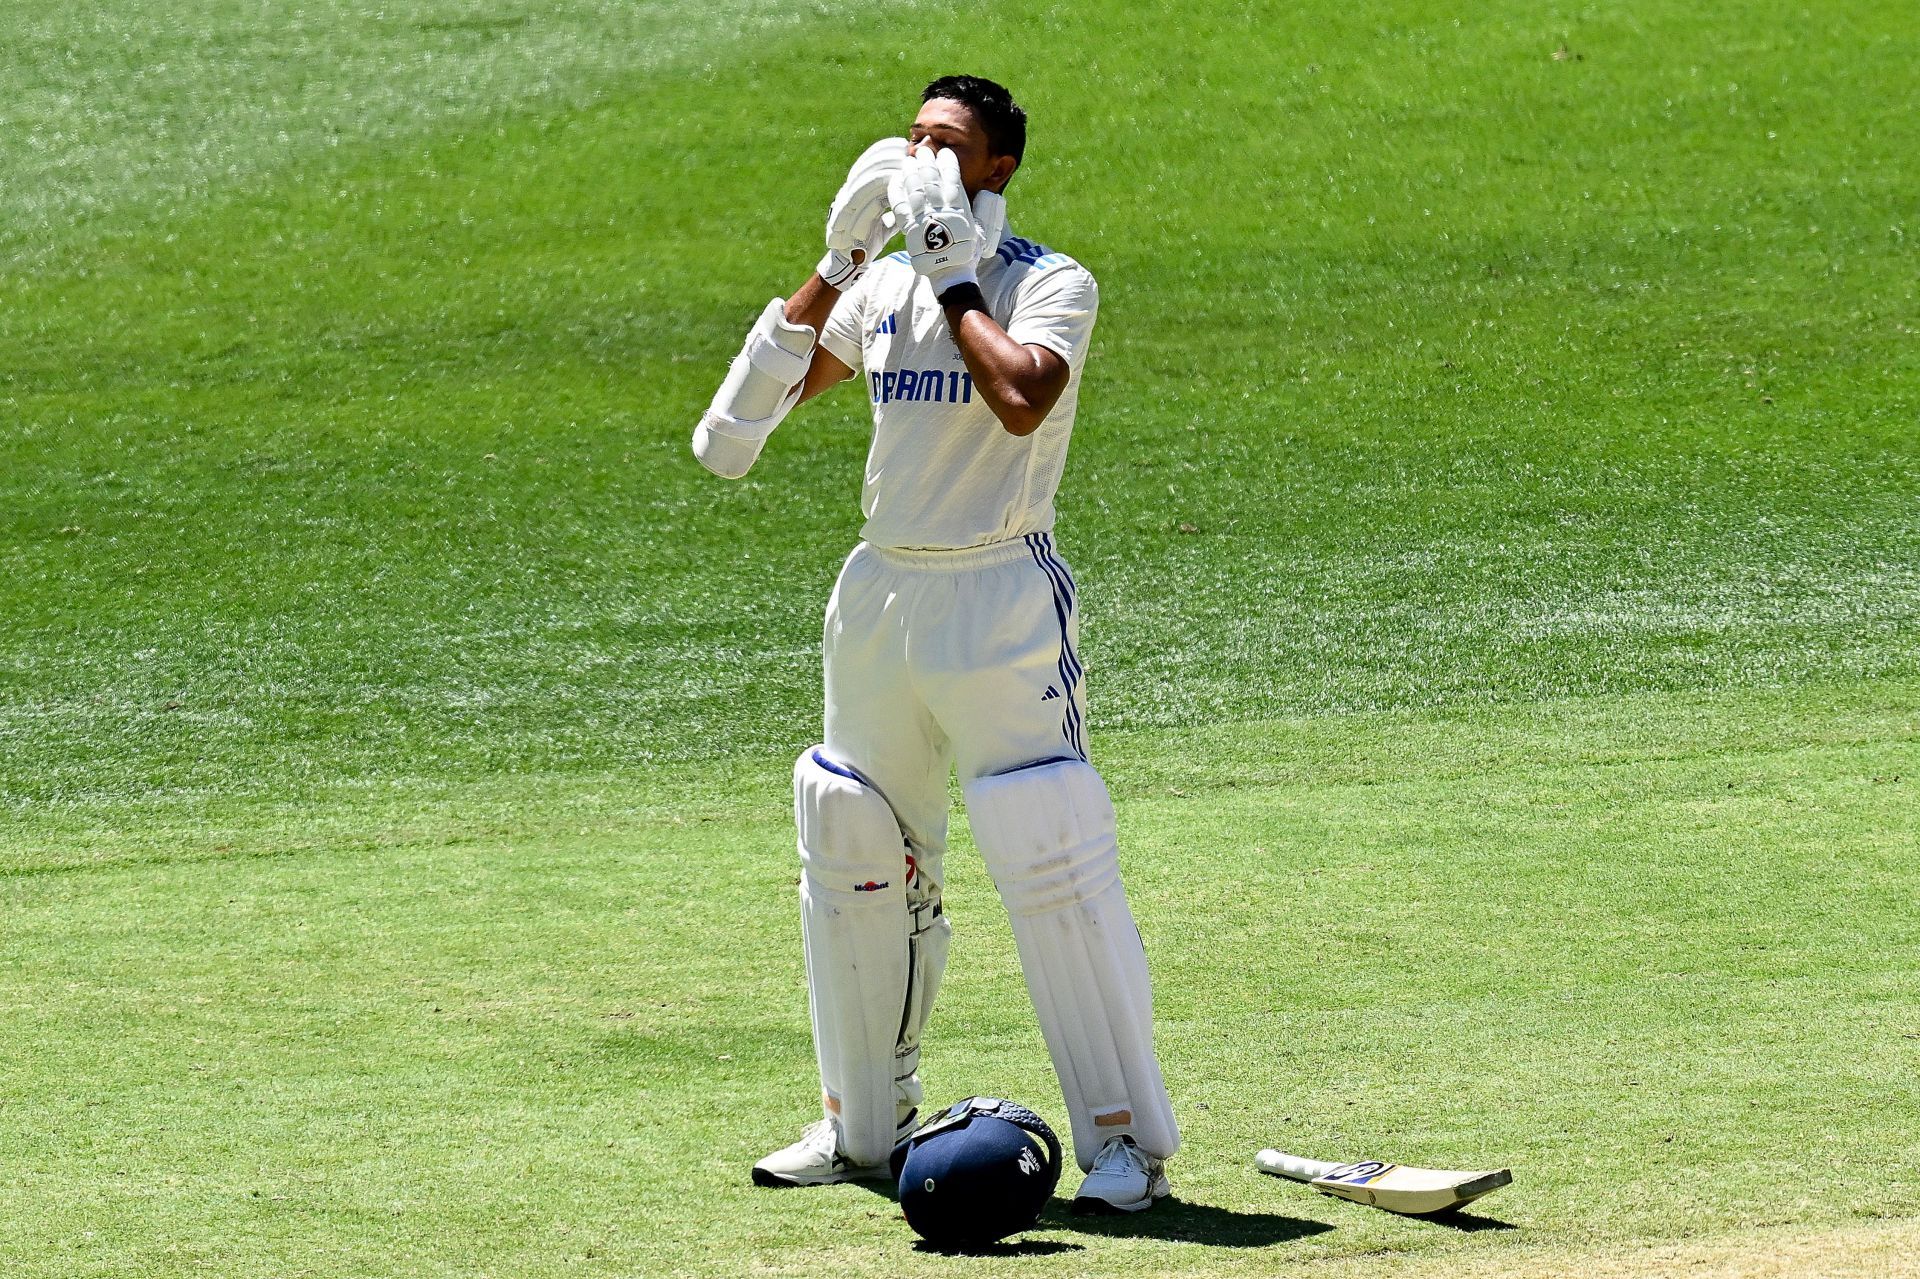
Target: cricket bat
(1394, 1187)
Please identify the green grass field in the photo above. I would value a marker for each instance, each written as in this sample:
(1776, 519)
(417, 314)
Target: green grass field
(1496, 499)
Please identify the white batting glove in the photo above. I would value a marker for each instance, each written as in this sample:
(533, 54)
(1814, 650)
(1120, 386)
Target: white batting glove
(990, 216)
(941, 235)
(862, 216)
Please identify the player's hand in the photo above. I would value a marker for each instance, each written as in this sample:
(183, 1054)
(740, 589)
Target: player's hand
(941, 235)
(862, 220)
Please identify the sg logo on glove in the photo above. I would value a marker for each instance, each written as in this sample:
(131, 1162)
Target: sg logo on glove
(931, 201)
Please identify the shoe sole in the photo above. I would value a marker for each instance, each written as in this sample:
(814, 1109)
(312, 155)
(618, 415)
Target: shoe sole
(777, 1181)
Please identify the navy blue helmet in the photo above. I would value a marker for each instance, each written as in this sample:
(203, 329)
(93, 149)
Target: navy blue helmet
(980, 1171)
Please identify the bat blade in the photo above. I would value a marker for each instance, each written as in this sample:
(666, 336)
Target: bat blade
(1394, 1187)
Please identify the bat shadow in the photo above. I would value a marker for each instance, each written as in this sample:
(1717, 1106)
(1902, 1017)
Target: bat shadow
(1467, 1223)
(1179, 1221)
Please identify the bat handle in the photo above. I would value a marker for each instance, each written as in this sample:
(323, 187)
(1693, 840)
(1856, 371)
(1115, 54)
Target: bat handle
(1281, 1164)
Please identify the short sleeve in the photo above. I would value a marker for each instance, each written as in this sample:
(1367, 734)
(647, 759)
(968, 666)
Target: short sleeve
(844, 334)
(1055, 308)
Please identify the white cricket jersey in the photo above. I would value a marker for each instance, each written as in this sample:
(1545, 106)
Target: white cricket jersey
(942, 472)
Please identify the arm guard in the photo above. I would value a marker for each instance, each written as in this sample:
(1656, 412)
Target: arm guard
(761, 387)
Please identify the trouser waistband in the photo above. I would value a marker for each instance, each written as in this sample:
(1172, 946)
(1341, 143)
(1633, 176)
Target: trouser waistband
(969, 557)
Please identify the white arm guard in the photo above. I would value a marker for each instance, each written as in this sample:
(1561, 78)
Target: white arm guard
(762, 385)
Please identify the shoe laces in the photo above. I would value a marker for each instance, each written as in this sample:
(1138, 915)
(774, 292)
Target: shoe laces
(820, 1135)
(1119, 1155)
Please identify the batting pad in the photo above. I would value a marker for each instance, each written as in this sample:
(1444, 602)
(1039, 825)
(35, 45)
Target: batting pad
(1047, 835)
(853, 921)
(928, 937)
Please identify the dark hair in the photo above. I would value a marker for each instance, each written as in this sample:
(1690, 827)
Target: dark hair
(991, 104)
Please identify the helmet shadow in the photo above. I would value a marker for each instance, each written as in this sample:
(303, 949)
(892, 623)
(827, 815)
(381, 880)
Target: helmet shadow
(1180, 1221)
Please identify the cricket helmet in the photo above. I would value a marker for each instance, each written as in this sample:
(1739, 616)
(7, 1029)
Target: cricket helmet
(979, 1171)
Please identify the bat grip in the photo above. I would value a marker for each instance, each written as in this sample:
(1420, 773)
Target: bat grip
(1281, 1164)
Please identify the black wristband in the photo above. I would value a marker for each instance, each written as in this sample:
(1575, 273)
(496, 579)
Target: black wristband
(966, 296)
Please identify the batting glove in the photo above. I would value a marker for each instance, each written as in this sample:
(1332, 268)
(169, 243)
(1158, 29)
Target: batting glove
(990, 215)
(941, 236)
(862, 216)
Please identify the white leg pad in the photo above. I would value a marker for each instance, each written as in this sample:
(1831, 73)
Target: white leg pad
(928, 937)
(1047, 835)
(860, 954)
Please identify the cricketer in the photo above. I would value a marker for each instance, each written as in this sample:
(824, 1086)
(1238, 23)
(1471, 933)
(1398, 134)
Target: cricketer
(951, 642)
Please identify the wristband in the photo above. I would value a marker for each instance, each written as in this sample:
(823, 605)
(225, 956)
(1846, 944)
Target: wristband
(965, 294)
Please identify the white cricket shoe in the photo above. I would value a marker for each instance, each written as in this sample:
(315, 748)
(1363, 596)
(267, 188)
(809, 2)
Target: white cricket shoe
(1124, 1179)
(816, 1160)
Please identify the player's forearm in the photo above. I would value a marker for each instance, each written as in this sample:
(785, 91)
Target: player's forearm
(811, 303)
(1021, 384)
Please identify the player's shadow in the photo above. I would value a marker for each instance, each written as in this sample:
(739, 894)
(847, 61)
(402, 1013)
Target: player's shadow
(1178, 1221)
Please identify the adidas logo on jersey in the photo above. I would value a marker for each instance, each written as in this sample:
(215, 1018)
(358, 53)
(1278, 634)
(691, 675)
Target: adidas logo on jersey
(890, 325)
(1050, 694)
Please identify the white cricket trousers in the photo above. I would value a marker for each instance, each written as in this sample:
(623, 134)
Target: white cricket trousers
(967, 660)
(944, 659)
